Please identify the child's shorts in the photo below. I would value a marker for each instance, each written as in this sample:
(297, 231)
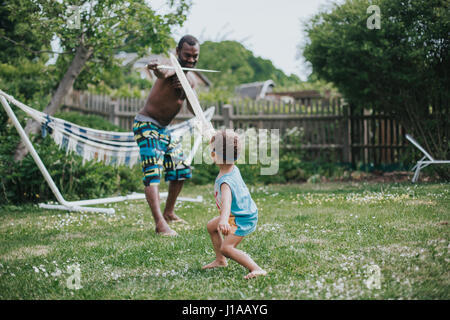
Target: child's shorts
(242, 226)
(158, 151)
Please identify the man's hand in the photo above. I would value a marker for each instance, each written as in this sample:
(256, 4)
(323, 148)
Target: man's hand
(153, 65)
(223, 227)
(159, 73)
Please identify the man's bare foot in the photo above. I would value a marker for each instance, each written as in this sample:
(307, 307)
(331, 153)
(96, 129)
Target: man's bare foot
(173, 218)
(215, 264)
(170, 233)
(164, 230)
(255, 274)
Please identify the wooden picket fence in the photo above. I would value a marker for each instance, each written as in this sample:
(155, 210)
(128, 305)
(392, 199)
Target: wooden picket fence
(330, 129)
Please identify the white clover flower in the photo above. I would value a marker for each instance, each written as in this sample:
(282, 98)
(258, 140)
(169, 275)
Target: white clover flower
(57, 273)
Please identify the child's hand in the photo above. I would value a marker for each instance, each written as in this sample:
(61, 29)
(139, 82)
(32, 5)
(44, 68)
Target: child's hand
(224, 227)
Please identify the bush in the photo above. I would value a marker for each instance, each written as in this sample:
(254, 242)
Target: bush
(22, 182)
(292, 165)
(90, 121)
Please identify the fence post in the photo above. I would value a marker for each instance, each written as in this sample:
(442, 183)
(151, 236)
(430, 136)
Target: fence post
(260, 122)
(115, 110)
(227, 113)
(346, 139)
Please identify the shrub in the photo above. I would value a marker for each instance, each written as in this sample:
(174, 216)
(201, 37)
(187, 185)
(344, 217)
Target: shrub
(292, 165)
(23, 182)
(90, 121)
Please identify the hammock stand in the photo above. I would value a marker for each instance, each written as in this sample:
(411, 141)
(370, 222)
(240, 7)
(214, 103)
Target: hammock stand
(81, 205)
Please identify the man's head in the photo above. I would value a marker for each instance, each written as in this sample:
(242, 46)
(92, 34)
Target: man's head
(188, 51)
(225, 147)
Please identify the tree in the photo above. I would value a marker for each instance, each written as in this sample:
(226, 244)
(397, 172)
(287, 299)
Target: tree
(238, 65)
(22, 67)
(90, 32)
(402, 68)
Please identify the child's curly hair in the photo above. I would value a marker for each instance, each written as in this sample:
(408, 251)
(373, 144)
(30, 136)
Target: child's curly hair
(226, 144)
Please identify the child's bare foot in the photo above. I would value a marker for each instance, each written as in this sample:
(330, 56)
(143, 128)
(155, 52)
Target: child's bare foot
(215, 264)
(255, 273)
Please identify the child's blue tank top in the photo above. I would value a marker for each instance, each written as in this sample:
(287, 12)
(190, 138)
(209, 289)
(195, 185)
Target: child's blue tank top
(242, 205)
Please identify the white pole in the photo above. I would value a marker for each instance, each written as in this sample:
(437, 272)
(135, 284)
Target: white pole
(76, 208)
(186, 69)
(207, 126)
(72, 205)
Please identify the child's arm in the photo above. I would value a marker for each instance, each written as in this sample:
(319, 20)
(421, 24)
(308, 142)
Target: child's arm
(225, 210)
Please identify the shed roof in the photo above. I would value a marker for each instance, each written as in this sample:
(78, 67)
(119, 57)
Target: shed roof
(255, 90)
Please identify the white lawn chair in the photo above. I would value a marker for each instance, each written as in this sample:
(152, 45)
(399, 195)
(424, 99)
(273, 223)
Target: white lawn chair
(422, 163)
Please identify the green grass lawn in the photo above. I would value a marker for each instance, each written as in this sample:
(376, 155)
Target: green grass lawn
(316, 242)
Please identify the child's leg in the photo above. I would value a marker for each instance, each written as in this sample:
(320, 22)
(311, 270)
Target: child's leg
(216, 239)
(228, 249)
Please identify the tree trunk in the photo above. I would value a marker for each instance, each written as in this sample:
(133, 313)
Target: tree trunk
(82, 55)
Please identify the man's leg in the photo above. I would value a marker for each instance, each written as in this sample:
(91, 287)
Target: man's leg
(147, 136)
(152, 196)
(174, 190)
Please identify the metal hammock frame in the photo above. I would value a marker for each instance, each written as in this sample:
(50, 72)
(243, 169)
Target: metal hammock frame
(119, 141)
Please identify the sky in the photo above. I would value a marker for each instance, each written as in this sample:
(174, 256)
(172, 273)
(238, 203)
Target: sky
(271, 29)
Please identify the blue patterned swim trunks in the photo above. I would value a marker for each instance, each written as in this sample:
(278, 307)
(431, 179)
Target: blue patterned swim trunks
(158, 151)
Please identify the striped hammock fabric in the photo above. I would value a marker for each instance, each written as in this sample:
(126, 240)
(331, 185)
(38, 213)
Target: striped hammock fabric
(112, 148)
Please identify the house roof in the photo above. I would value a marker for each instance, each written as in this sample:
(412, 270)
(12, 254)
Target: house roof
(255, 90)
(301, 94)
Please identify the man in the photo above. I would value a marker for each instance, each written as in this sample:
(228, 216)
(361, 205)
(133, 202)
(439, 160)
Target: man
(157, 149)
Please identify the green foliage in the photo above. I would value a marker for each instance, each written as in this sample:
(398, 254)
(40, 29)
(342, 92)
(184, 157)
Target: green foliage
(293, 165)
(401, 69)
(28, 81)
(215, 95)
(117, 81)
(323, 87)
(238, 65)
(16, 34)
(106, 27)
(22, 182)
(90, 121)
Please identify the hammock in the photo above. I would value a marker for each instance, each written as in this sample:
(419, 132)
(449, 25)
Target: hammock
(112, 148)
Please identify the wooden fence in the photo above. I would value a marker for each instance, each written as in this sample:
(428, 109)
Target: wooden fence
(330, 129)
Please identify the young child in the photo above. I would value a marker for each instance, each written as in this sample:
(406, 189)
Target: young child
(238, 212)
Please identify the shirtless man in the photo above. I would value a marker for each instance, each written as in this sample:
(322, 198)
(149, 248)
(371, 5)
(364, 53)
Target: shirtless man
(157, 150)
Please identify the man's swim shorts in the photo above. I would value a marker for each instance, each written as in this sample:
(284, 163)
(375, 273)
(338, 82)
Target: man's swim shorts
(158, 151)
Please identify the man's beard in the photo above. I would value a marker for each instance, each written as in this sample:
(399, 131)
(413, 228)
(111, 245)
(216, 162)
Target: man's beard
(184, 63)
